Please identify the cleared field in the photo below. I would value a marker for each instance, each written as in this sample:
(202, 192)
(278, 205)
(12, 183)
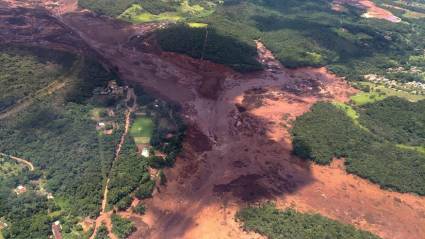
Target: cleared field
(420, 149)
(142, 130)
(197, 24)
(350, 112)
(136, 14)
(380, 92)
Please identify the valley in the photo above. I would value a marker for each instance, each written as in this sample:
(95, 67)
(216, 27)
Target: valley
(238, 147)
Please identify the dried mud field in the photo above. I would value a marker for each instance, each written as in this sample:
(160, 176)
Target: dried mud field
(238, 145)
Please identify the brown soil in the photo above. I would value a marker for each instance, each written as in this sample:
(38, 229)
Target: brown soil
(238, 148)
(372, 11)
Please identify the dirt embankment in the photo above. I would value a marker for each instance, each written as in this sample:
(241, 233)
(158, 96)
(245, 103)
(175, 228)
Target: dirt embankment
(372, 10)
(238, 150)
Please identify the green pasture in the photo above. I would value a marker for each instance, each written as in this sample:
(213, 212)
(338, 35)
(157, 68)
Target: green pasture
(142, 130)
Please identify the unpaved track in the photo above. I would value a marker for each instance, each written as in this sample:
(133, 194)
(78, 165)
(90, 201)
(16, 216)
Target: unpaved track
(105, 217)
(234, 157)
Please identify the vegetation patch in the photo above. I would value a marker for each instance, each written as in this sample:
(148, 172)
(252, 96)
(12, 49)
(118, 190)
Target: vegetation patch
(102, 232)
(122, 227)
(372, 92)
(128, 173)
(58, 134)
(9, 168)
(168, 131)
(351, 113)
(142, 130)
(209, 44)
(290, 224)
(27, 70)
(327, 132)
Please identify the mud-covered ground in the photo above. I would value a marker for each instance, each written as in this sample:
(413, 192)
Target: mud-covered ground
(238, 147)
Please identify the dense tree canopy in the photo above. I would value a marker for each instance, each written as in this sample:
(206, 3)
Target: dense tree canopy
(290, 224)
(371, 151)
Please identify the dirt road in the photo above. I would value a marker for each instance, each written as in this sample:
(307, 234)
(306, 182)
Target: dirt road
(105, 216)
(20, 160)
(238, 147)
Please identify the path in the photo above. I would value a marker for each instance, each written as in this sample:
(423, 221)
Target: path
(105, 217)
(19, 160)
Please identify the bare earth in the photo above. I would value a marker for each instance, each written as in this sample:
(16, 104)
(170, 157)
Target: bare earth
(238, 147)
(372, 11)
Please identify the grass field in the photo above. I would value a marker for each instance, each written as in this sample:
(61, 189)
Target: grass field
(380, 92)
(350, 112)
(137, 14)
(142, 130)
(420, 149)
(197, 24)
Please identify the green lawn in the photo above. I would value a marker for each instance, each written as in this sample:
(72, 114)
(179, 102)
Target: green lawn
(142, 130)
(380, 92)
(420, 149)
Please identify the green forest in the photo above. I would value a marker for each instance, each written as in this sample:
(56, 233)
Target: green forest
(372, 149)
(299, 33)
(58, 135)
(26, 70)
(122, 227)
(129, 174)
(290, 224)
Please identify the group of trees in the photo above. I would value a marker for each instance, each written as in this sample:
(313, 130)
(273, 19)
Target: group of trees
(26, 70)
(371, 151)
(306, 33)
(107, 7)
(26, 214)
(290, 224)
(129, 177)
(122, 227)
(58, 135)
(209, 44)
(169, 127)
(102, 232)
